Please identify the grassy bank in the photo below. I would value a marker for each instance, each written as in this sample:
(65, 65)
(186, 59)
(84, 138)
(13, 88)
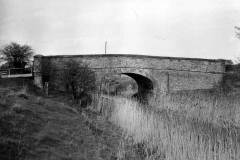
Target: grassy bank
(34, 127)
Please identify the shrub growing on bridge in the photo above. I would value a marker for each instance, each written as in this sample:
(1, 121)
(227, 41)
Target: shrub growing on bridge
(79, 80)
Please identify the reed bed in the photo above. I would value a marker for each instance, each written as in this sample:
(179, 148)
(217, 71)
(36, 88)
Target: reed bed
(181, 128)
(212, 107)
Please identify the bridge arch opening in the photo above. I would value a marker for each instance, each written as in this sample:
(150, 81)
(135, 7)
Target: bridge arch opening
(145, 86)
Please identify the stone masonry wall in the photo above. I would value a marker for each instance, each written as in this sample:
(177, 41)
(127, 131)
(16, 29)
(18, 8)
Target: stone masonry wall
(167, 74)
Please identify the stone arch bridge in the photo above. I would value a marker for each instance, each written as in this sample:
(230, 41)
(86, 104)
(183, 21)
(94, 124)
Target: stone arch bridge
(152, 73)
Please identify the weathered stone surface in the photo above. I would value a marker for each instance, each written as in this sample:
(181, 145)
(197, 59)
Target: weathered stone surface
(168, 74)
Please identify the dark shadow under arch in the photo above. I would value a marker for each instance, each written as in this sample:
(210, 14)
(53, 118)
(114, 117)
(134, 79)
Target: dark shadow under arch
(145, 86)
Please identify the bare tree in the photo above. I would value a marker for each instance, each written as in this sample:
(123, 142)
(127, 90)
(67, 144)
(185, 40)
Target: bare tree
(237, 31)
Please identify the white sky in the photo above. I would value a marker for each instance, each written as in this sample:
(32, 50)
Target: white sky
(181, 28)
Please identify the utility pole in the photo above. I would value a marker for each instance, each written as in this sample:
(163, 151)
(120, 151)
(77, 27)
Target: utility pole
(105, 47)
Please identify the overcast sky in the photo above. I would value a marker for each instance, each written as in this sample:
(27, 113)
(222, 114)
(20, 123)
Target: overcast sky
(181, 28)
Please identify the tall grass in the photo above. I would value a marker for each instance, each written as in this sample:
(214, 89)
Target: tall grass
(182, 127)
(213, 107)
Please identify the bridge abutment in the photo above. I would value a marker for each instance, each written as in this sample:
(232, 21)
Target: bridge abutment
(37, 71)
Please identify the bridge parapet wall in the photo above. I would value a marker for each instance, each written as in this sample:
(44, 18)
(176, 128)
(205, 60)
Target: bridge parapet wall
(147, 62)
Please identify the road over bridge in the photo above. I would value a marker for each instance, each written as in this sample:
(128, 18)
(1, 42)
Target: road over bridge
(152, 73)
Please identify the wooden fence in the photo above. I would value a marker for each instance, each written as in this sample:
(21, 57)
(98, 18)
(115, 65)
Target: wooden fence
(15, 72)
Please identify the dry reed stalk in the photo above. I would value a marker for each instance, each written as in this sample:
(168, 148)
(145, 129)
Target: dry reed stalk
(181, 132)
